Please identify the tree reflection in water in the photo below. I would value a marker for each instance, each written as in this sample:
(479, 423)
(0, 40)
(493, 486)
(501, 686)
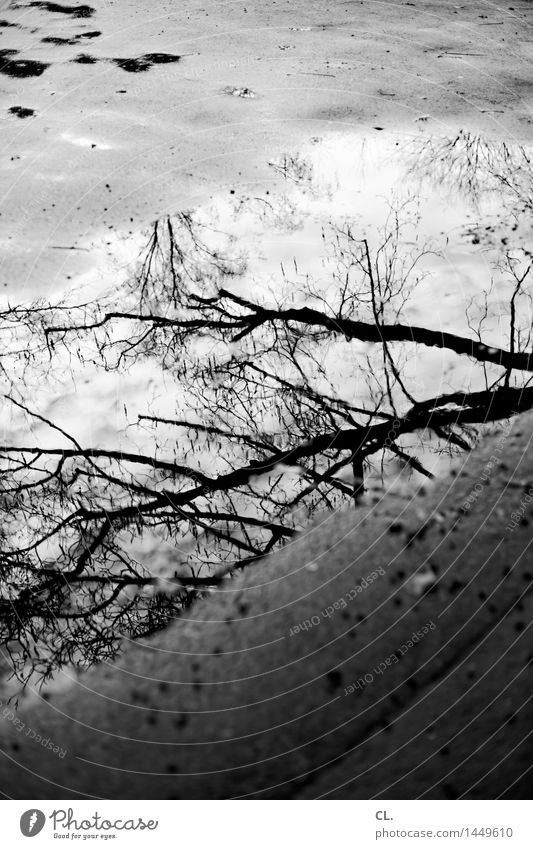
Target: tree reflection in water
(264, 391)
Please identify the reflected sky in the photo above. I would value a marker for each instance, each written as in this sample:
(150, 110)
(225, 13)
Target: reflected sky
(462, 209)
(382, 230)
(467, 228)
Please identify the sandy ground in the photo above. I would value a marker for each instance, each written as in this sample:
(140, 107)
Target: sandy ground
(227, 703)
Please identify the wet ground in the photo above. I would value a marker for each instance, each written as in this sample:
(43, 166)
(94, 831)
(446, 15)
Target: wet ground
(284, 685)
(106, 151)
(283, 130)
(449, 217)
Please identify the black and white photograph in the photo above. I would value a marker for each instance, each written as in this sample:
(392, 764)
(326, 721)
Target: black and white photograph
(266, 354)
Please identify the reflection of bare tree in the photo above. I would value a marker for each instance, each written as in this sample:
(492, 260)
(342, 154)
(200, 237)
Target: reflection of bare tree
(471, 165)
(266, 426)
(297, 169)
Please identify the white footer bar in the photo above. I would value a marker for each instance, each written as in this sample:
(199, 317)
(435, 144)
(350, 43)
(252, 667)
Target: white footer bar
(268, 824)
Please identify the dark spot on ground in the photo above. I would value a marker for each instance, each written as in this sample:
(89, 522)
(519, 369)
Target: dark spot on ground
(20, 67)
(396, 700)
(56, 39)
(414, 535)
(334, 679)
(81, 11)
(145, 62)
(132, 66)
(85, 59)
(181, 722)
(396, 528)
(4, 23)
(172, 768)
(449, 791)
(162, 58)
(137, 697)
(21, 111)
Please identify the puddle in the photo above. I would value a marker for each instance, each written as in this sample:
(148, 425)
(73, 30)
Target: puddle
(133, 65)
(145, 62)
(85, 59)
(57, 40)
(81, 11)
(76, 39)
(21, 111)
(258, 361)
(20, 67)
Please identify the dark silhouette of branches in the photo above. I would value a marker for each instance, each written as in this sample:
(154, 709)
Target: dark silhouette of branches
(216, 314)
(472, 165)
(274, 407)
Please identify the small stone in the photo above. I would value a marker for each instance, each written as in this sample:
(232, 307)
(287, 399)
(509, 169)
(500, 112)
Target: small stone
(240, 92)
